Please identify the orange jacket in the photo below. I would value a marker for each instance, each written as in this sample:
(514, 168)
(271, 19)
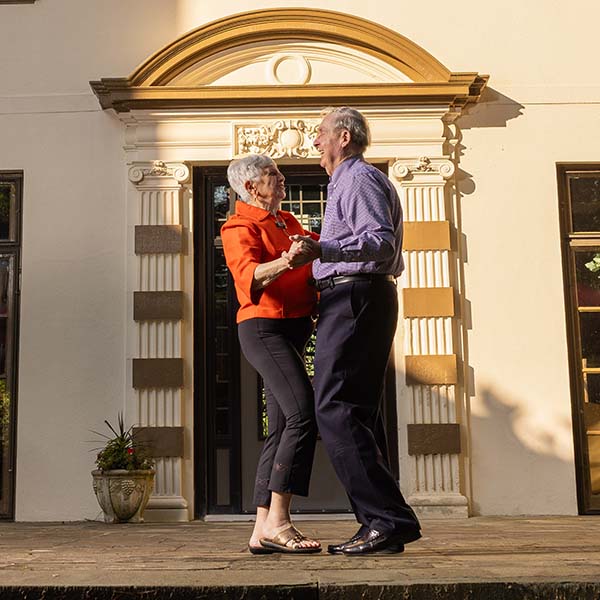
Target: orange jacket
(250, 238)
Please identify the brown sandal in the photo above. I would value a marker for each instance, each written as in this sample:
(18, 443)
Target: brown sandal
(288, 541)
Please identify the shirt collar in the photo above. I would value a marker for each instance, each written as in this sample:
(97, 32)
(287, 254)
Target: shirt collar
(249, 210)
(343, 167)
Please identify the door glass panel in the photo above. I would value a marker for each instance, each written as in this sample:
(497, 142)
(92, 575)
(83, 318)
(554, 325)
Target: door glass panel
(585, 202)
(589, 326)
(592, 387)
(587, 274)
(7, 262)
(222, 355)
(8, 197)
(307, 203)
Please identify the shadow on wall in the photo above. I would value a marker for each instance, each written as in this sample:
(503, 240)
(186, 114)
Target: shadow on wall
(521, 461)
(493, 110)
(499, 455)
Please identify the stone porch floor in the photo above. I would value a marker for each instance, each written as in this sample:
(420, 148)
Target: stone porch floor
(482, 557)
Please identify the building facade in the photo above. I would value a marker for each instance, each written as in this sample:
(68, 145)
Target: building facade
(116, 137)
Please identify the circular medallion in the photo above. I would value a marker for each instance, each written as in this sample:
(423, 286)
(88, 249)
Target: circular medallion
(288, 69)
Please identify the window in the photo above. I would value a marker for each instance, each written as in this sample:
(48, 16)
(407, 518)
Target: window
(10, 251)
(579, 196)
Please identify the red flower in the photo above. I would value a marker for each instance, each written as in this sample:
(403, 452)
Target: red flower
(129, 450)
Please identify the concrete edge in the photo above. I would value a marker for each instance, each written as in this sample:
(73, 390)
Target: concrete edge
(315, 591)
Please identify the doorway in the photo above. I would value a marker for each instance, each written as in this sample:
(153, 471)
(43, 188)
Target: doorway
(230, 416)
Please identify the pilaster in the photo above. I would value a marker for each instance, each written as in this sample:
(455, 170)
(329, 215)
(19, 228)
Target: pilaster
(431, 390)
(160, 383)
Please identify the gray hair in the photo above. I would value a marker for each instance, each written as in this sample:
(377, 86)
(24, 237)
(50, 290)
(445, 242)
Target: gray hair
(247, 168)
(354, 122)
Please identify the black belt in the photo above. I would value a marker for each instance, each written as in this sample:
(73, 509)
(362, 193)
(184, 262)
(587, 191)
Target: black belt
(333, 280)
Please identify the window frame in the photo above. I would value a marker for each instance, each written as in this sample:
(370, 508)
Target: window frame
(13, 248)
(570, 242)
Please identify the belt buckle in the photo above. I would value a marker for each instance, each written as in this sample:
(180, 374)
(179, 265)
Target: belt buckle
(323, 284)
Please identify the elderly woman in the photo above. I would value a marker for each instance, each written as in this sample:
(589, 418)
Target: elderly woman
(274, 325)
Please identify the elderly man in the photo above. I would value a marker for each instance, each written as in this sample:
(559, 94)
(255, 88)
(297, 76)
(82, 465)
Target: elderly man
(359, 256)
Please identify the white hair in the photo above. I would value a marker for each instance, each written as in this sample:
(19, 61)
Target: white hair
(354, 122)
(247, 168)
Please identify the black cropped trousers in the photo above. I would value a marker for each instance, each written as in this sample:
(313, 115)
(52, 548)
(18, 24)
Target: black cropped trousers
(275, 348)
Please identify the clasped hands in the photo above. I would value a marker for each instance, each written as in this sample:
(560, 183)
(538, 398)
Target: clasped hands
(302, 251)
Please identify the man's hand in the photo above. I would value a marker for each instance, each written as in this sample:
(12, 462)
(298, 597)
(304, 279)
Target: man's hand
(302, 251)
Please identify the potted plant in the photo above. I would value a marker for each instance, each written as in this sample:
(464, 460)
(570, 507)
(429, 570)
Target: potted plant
(124, 478)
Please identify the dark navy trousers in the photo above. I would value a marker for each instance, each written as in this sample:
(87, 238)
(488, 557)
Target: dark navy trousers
(355, 331)
(275, 348)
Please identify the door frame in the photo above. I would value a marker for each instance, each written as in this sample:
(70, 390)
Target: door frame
(203, 435)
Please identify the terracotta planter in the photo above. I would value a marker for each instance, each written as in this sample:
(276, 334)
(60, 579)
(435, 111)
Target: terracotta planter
(123, 494)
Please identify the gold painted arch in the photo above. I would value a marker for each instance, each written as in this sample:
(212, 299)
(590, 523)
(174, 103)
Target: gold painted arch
(281, 24)
(152, 85)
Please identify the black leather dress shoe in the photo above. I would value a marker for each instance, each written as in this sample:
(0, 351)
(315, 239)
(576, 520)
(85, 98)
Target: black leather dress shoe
(383, 543)
(339, 548)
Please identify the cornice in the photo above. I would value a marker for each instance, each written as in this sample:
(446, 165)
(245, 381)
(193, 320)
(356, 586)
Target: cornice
(122, 97)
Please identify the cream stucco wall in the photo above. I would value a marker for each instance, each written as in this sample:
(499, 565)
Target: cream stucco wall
(542, 108)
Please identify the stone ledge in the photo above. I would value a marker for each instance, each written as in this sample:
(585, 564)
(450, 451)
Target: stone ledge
(313, 591)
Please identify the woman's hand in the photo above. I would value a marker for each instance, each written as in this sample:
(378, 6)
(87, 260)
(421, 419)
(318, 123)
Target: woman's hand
(302, 251)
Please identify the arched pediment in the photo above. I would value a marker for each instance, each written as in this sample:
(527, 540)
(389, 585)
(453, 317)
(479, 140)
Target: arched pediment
(281, 56)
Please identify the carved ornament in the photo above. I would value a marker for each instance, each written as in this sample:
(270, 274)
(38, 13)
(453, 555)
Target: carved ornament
(292, 138)
(406, 168)
(160, 169)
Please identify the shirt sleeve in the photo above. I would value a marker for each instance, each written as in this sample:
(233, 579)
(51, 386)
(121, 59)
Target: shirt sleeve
(366, 210)
(242, 246)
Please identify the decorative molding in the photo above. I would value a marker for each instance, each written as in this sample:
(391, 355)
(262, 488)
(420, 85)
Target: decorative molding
(159, 239)
(427, 235)
(292, 138)
(278, 76)
(157, 373)
(158, 306)
(160, 442)
(154, 84)
(433, 438)
(431, 369)
(428, 302)
(158, 168)
(405, 168)
(284, 24)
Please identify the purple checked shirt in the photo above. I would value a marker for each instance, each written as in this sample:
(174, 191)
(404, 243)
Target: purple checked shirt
(362, 225)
